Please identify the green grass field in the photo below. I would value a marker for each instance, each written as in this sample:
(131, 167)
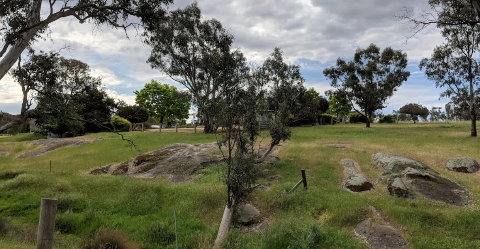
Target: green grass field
(139, 212)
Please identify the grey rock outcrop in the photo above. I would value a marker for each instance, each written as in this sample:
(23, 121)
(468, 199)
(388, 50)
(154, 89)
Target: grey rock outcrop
(247, 214)
(407, 178)
(379, 234)
(462, 164)
(353, 179)
(176, 161)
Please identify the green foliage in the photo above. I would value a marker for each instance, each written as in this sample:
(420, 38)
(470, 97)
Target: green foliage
(164, 102)
(68, 98)
(22, 22)
(370, 78)
(339, 104)
(120, 124)
(356, 118)
(327, 119)
(387, 119)
(133, 113)
(414, 110)
(191, 51)
(453, 64)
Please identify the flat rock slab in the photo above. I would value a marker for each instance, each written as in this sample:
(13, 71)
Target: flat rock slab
(176, 161)
(462, 164)
(379, 234)
(4, 153)
(408, 177)
(353, 179)
(394, 163)
(53, 144)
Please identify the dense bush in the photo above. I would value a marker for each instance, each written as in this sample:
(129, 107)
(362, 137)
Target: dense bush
(387, 119)
(120, 124)
(357, 118)
(327, 119)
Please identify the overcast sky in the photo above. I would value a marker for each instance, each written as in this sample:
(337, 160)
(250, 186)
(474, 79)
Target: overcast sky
(312, 34)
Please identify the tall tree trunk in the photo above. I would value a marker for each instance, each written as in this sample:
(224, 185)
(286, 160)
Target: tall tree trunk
(368, 117)
(16, 50)
(473, 118)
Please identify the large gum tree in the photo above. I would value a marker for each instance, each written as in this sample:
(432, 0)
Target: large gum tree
(24, 21)
(370, 78)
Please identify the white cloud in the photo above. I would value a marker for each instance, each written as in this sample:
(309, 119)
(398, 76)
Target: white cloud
(318, 31)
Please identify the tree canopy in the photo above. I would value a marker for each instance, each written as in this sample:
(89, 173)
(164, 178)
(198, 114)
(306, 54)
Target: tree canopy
(414, 110)
(24, 21)
(452, 65)
(68, 98)
(192, 52)
(164, 102)
(133, 113)
(371, 78)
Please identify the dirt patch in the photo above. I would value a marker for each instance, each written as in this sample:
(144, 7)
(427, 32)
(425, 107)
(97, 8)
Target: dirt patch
(48, 145)
(337, 146)
(175, 161)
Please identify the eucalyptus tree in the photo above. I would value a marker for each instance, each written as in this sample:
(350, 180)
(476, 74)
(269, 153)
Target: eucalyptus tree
(284, 88)
(66, 96)
(190, 50)
(453, 65)
(414, 111)
(370, 78)
(22, 22)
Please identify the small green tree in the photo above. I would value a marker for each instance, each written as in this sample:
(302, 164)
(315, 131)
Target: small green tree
(164, 102)
(371, 78)
(285, 84)
(338, 104)
(414, 111)
(133, 113)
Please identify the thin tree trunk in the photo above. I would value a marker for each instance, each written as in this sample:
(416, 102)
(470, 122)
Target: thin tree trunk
(473, 118)
(270, 149)
(224, 226)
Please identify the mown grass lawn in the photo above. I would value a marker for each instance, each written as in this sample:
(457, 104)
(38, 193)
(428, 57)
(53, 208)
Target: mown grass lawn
(141, 210)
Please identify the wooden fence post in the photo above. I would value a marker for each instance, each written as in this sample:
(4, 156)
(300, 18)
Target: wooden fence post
(195, 128)
(46, 223)
(176, 128)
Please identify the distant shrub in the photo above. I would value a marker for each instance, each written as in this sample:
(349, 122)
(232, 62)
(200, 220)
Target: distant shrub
(120, 124)
(387, 119)
(327, 119)
(357, 118)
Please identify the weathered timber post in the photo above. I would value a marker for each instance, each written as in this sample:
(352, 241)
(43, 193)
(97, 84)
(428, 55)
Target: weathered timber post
(304, 179)
(195, 128)
(46, 223)
(176, 231)
(176, 127)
